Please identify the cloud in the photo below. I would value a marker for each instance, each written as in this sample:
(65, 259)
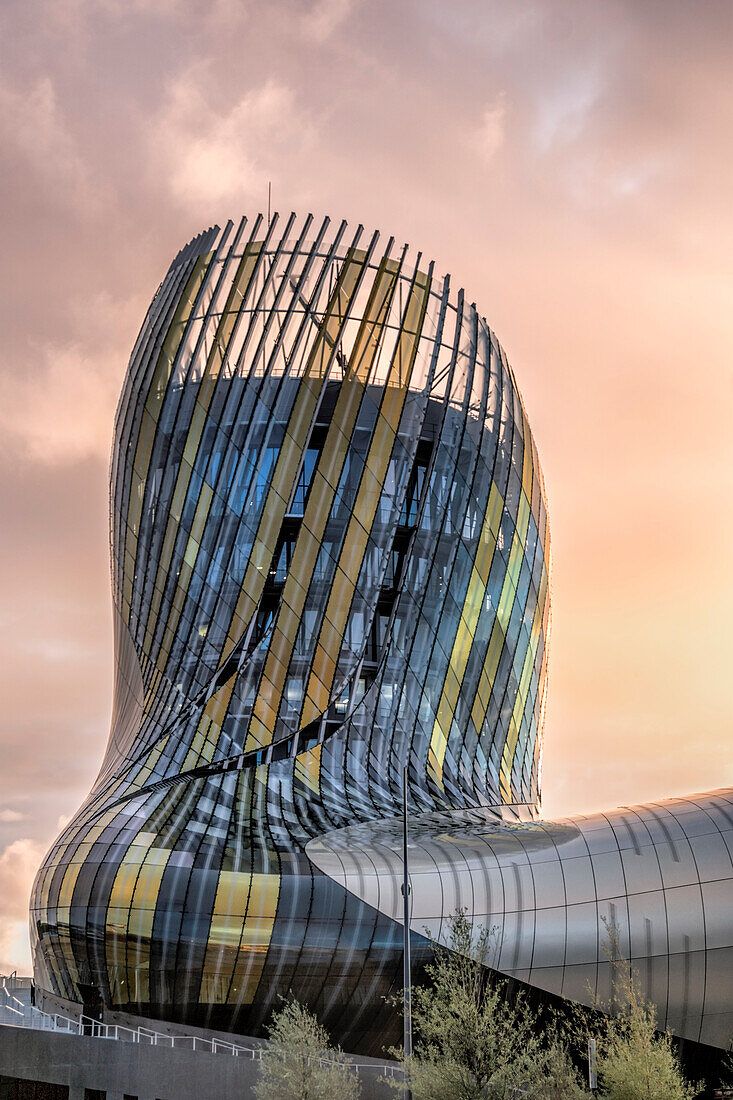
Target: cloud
(324, 17)
(58, 649)
(61, 408)
(35, 129)
(7, 816)
(211, 155)
(489, 136)
(19, 862)
(609, 176)
(564, 109)
(64, 413)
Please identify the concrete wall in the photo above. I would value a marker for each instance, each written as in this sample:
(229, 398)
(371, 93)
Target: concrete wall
(149, 1073)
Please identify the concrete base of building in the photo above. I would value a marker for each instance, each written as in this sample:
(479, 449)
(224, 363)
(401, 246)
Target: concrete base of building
(104, 1069)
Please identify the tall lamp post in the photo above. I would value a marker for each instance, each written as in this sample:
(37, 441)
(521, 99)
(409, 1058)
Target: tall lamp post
(407, 970)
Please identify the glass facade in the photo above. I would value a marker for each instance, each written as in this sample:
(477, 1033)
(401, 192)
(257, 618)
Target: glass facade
(329, 560)
(330, 551)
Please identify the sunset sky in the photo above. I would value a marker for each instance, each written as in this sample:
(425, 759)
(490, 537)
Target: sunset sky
(568, 161)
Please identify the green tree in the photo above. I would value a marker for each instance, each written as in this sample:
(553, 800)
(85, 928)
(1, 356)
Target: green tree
(635, 1061)
(473, 1041)
(552, 1075)
(300, 1064)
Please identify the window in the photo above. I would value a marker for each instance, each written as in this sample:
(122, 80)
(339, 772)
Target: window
(415, 487)
(304, 479)
(19, 1088)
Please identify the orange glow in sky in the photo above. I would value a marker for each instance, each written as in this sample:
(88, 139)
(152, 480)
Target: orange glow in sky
(568, 161)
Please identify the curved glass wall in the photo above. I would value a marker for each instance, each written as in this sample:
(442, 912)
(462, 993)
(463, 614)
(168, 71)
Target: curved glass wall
(329, 561)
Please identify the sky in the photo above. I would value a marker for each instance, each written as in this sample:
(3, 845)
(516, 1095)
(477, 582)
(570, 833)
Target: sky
(568, 161)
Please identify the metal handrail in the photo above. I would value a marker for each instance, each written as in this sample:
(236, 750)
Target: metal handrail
(35, 1018)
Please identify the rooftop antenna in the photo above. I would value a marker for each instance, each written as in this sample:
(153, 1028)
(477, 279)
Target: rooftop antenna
(269, 199)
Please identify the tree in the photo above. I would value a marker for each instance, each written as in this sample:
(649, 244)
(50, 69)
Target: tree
(636, 1062)
(299, 1062)
(553, 1075)
(475, 1042)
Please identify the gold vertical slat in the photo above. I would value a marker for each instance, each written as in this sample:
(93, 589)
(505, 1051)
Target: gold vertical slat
(507, 758)
(129, 918)
(257, 933)
(225, 935)
(320, 500)
(283, 479)
(296, 436)
(472, 605)
(235, 299)
(140, 923)
(365, 507)
(151, 413)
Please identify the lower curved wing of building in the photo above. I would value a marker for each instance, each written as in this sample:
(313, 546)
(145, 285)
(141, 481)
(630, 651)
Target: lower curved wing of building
(649, 884)
(330, 562)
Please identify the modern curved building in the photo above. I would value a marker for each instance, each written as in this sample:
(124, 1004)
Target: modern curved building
(330, 561)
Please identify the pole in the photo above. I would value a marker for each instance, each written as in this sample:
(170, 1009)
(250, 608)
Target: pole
(407, 971)
(592, 1072)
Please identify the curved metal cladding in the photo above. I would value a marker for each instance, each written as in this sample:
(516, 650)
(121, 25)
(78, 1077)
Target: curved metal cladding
(329, 561)
(660, 875)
